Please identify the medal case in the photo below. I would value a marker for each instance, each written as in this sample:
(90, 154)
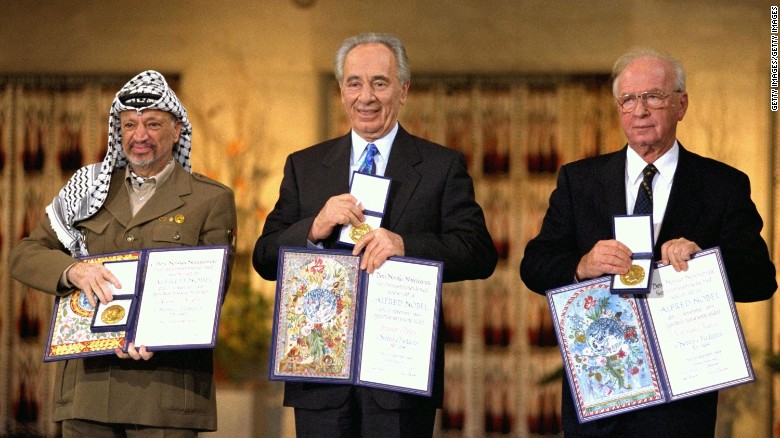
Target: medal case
(371, 192)
(636, 232)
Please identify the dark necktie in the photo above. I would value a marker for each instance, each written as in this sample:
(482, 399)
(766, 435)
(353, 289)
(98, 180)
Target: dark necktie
(369, 166)
(644, 197)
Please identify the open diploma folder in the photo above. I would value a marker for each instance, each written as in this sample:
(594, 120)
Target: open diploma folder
(626, 352)
(170, 300)
(333, 323)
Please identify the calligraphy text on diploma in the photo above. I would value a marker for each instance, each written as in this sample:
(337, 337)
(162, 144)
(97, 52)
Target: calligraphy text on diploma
(695, 326)
(399, 319)
(180, 297)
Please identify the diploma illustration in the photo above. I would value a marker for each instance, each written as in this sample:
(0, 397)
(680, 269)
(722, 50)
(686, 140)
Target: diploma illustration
(317, 311)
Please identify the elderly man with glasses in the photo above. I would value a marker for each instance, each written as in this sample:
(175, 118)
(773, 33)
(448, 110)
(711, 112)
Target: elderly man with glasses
(695, 202)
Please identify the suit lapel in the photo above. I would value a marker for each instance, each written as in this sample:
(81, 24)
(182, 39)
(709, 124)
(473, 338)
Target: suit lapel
(612, 181)
(404, 155)
(334, 163)
(684, 200)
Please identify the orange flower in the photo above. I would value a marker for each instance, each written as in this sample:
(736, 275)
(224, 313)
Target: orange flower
(235, 147)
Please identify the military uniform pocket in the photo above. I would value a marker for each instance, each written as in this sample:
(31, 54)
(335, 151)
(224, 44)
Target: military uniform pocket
(94, 230)
(175, 234)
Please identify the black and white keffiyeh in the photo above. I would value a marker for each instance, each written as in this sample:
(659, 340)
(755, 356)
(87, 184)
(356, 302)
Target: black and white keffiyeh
(86, 191)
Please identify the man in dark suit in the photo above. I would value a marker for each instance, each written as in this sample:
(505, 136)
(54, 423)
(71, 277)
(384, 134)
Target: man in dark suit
(696, 203)
(431, 214)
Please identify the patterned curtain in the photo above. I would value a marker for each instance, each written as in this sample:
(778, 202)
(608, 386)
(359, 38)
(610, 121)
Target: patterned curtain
(50, 125)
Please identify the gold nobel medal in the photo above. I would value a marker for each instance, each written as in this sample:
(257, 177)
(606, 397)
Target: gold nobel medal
(357, 232)
(113, 314)
(634, 276)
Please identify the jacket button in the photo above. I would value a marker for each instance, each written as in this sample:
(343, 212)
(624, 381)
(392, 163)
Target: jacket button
(130, 239)
(176, 236)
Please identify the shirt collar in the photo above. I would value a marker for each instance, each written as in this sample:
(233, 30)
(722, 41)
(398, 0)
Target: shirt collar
(383, 144)
(666, 164)
(157, 179)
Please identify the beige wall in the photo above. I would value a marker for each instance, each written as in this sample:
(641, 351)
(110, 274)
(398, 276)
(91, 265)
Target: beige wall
(250, 69)
(252, 66)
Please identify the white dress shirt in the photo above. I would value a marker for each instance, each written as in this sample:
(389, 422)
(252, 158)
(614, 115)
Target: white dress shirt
(383, 144)
(662, 183)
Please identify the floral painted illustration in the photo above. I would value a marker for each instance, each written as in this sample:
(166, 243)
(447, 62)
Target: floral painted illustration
(606, 350)
(71, 335)
(316, 300)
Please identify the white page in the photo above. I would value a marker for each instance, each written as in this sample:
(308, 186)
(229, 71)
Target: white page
(636, 232)
(181, 298)
(692, 318)
(371, 191)
(400, 325)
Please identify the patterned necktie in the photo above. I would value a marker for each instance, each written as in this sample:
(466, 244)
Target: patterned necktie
(644, 197)
(369, 166)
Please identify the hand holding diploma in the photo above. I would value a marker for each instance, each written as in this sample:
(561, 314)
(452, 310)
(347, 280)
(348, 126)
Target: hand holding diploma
(380, 244)
(139, 354)
(677, 252)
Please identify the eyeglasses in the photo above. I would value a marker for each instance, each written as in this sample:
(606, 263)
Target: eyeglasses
(653, 99)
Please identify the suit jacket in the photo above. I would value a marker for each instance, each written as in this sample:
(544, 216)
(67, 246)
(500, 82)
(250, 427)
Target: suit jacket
(431, 205)
(174, 388)
(709, 204)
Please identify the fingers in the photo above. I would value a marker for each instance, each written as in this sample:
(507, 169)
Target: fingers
(132, 353)
(606, 257)
(377, 246)
(92, 299)
(95, 280)
(677, 252)
(339, 210)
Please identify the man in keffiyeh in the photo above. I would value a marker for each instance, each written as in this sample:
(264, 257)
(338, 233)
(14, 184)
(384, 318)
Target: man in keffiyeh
(142, 195)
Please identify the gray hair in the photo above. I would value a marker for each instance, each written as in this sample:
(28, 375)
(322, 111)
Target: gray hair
(643, 52)
(390, 41)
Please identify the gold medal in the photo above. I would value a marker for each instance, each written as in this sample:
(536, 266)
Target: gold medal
(635, 275)
(179, 219)
(113, 314)
(357, 232)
